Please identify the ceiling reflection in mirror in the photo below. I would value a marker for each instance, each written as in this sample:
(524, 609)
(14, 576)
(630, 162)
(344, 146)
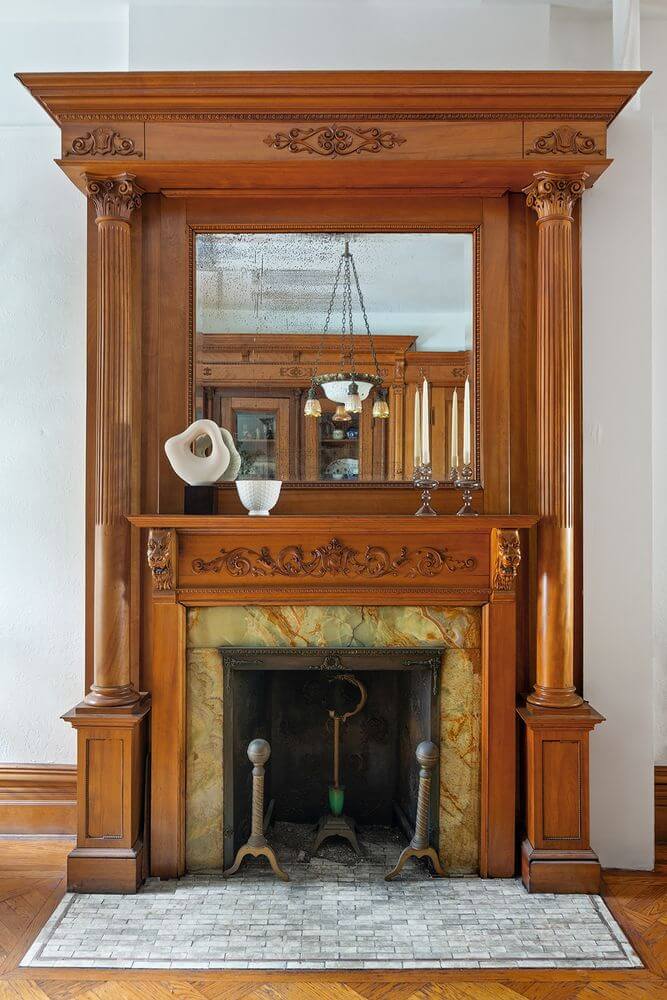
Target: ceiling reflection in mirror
(273, 313)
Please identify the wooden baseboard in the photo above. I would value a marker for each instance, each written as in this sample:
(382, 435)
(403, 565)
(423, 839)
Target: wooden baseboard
(661, 804)
(37, 799)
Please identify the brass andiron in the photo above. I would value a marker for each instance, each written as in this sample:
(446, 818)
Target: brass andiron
(467, 484)
(419, 847)
(257, 845)
(422, 479)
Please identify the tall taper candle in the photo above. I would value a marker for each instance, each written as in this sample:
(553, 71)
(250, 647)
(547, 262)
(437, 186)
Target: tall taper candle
(466, 423)
(454, 446)
(418, 434)
(426, 426)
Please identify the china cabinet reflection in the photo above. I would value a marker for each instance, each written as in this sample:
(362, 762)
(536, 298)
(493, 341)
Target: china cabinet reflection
(263, 433)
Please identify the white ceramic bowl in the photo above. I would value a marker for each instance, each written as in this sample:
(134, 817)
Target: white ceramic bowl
(258, 496)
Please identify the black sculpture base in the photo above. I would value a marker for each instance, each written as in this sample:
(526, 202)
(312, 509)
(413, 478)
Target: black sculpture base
(200, 499)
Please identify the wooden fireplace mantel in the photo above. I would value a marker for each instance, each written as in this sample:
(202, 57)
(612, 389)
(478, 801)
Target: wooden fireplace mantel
(370, 560)
(162, 156)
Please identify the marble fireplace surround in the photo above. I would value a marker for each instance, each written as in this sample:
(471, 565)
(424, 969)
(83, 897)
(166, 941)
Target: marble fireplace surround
(459, 704)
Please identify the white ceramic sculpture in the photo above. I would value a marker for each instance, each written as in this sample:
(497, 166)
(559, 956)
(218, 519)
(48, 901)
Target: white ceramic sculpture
(258, 496)
(232, 470)
(199, 470)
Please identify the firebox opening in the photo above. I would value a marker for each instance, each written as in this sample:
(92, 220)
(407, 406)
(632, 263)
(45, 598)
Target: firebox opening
(286, 697)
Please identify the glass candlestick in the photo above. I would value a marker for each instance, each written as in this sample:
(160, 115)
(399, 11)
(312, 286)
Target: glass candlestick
(422, 479)
(466, 483)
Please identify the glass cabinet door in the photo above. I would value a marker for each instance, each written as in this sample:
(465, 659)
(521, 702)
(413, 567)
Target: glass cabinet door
(338, 445)
(260, 428)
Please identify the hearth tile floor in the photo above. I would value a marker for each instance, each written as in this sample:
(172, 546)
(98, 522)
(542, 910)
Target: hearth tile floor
(330, 916)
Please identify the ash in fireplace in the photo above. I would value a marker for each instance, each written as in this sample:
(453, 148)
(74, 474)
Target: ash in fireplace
(293, 842)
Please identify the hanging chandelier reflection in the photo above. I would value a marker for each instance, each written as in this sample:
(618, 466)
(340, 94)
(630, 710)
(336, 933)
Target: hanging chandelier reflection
(348, 387)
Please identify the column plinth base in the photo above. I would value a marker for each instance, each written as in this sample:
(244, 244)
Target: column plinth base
(112, 744)
(99, 870)
(556, 855)
(559, 871)
(547, 697)
(112, 697)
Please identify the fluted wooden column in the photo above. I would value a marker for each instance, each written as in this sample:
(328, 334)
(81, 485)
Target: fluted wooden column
(553, 197)
(114, 199)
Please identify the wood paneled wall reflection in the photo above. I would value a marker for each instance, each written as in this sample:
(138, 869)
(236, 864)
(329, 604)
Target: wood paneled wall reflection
(271, 372)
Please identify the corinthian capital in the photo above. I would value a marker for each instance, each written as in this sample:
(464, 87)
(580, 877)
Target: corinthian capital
(114, 197)
(553, 195)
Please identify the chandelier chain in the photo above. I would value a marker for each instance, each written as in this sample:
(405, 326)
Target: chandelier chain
(363, 313)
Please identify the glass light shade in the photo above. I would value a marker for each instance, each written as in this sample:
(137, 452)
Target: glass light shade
(381, 408)
(338, 391)
(340, 416)
(353, 399)
(313, 407)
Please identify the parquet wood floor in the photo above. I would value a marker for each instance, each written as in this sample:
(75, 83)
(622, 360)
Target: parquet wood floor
(32, 880)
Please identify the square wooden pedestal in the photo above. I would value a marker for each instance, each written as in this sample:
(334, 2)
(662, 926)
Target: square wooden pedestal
(556, 855)
(111, 783)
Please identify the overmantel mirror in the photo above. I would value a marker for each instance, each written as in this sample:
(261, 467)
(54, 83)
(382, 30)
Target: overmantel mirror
(283, 320)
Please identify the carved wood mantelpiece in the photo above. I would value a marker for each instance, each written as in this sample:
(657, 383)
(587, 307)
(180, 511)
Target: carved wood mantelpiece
(402, 152)
(309, 560)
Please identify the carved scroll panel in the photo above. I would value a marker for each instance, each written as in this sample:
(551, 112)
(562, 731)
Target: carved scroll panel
(333, 562)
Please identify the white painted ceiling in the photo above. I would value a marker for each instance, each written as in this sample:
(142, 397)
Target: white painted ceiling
(416, 284)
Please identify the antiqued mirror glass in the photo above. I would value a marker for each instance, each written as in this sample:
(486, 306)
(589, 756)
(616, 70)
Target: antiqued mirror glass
(272, 317)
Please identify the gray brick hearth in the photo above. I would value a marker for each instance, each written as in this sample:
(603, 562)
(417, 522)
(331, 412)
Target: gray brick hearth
(331, 917)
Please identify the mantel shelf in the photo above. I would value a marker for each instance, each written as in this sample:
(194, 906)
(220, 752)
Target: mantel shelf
(279, 524)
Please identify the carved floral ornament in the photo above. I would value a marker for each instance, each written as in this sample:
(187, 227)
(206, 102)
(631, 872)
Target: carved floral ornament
(102, 141)
(114, 197)
(334, 140)
(333, 559)
(565, 141)
(508, 558)
(160, 544)
(553, 195)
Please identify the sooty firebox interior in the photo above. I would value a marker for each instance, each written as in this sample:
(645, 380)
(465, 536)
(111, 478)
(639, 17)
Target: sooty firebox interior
(285, 696)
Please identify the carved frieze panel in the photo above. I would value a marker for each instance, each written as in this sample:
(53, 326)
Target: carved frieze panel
(564, 139)
(334, 559)
(103, 140)
(335, 140)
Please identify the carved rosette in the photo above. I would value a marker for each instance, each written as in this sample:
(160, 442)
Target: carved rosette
(508, 558)
(565, 141)
(114, 197)
(553, 195)
(159, 554)
(334, 559)
(102, 141)
(334, 140)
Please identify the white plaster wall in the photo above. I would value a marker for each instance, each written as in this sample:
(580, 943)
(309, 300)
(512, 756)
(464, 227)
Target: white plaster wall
(654, 102)
(617, 496)
(42, 386)
(42, 330)
(338, 34)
